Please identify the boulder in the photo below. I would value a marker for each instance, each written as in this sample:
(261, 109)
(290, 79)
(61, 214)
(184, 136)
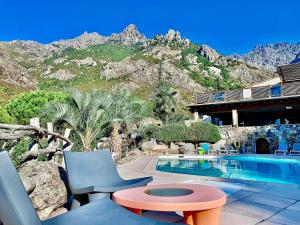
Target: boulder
(159, 149)
(45, 183)
(180, 143)
(150, 121)
(208, 52)
(134, 153)
(188, 149)
(174, 149)
(146, 146)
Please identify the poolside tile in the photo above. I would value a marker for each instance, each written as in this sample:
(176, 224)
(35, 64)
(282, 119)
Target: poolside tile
(286, 191)
(288, 217)
(232, 218)
(295, 207)
(238, 196)
(270, 223)
(271, 200)
(252, 209)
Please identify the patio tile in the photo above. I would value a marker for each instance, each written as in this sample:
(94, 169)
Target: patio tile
(295, 207)
(288, 217)
(252, 209)
(231, 218)
(271, 200)
(269, 223)
(238, 196)
(286, 191)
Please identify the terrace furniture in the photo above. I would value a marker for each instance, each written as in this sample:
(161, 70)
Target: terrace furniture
(200, 204)
(16, 207)
(282, 149)
(95, 174)
(231, 150)
(215, 149)
(296, 150)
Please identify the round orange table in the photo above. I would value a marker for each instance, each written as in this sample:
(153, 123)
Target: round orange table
(200, 204)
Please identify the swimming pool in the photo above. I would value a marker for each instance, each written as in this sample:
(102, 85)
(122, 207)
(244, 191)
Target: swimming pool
(237, 167)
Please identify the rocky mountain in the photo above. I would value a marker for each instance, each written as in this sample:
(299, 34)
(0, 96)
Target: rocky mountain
(128, 60)
(270, 56)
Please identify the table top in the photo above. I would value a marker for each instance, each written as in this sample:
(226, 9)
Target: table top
(171, 197)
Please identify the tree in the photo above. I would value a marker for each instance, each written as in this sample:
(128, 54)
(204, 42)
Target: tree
(124, 111)
(164, 98)
(90, 113)
(31, 104)
(85, 113)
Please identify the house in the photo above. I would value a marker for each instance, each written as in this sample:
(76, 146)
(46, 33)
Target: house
(277, 100)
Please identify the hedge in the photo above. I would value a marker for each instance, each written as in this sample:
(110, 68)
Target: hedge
(198, 132)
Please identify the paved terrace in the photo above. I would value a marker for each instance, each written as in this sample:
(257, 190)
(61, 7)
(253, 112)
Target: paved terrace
(249, 203)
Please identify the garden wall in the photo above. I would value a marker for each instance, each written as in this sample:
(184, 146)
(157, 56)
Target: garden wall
(273, 134)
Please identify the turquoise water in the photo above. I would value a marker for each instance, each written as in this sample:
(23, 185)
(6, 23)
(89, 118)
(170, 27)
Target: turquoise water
(237, 167)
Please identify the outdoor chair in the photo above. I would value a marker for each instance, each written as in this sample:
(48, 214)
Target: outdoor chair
(282, 149)
(230, 150)
(95, 174)
(296, 150)
(205, 147)
(16, 207)
(215, 149)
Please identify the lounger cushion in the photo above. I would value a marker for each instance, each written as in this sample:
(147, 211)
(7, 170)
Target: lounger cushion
(96, 172)
(102, 212)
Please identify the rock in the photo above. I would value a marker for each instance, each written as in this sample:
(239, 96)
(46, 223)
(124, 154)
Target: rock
(174, 146)
(48, 179)
(214, 70)
(58, 212)
(208, 52)
(188, 149)
(174, 149)
(270, 56)
(83, 41)
(61, 74)
(144, 72)
(87, 62)
(160, 149)
(134, 153)
(180, 143)
(150, 121)
(146, 146)
(130, 35)
(171, 38)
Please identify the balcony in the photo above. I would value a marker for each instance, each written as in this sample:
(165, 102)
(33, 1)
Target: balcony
(248, 94)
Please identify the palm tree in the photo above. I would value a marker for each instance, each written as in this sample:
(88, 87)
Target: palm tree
(86, 113)
(164, 102)
(92, 112)
(124, 111)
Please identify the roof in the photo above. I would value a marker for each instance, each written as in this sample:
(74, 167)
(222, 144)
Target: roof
(290, 72)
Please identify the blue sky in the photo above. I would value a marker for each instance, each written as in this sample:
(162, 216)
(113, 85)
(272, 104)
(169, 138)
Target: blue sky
(227, 25)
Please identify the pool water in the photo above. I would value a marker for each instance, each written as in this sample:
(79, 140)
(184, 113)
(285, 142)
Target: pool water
(237, 167)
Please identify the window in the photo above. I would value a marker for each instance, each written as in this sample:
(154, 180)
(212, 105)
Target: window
(275, 91)
(219, 96)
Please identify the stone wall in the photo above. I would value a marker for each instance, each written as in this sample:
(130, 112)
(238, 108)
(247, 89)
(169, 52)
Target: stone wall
(247, 136)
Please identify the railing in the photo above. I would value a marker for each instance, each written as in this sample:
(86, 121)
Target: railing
(263, 92)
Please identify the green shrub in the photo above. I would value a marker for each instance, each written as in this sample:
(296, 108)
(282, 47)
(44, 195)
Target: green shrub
(29, 105)
(4, 116)
(19, 149)
(198, 132)
(205, 132)
(149, 131)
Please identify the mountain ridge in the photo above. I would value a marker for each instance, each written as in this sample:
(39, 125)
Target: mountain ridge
(128, 59)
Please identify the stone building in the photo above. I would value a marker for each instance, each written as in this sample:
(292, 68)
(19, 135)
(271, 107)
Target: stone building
(268, 111)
